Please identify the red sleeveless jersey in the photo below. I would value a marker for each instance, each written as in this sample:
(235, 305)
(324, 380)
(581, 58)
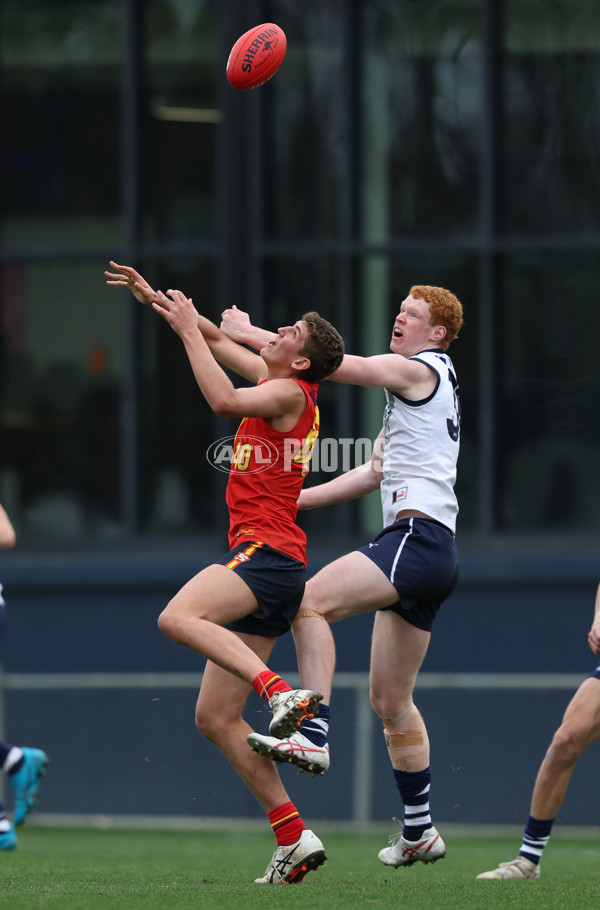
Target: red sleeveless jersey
(267, 472)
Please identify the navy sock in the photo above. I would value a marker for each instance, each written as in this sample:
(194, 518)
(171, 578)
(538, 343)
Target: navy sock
(413, 787)
(316, 728)
(535, 837)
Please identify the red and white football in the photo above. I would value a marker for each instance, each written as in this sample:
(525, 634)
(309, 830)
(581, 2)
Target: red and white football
(256, 56)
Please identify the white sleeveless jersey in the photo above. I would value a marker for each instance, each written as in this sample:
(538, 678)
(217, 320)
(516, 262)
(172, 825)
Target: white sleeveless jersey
(421, 442)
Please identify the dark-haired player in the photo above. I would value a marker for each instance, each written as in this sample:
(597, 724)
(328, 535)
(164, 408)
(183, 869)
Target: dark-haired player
(233, 611)
(407, 571)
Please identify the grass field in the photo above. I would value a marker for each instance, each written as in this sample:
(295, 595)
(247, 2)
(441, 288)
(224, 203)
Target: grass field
(153, 870)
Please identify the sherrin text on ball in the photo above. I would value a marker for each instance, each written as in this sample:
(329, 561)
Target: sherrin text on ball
(256, 56)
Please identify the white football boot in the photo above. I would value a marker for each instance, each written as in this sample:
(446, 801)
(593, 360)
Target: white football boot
(521, 867)
(290, 863)
(297, 749)
(428, 849)
(289, 710)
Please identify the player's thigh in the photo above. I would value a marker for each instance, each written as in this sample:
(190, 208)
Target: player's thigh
(223, 695)
(397, 652)
(216, 594)
(349, 585)
(581, 720)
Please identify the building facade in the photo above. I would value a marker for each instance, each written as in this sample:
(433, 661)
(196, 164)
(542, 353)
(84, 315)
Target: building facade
(439, 142)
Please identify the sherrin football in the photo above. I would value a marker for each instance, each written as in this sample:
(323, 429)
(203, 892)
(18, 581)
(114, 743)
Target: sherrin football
(256, 56)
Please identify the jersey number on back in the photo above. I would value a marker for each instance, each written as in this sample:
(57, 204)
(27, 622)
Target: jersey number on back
(454, 425)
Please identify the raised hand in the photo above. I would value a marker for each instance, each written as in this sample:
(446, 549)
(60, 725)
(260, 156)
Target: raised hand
(178, 310)
(127, 277)
(235, 323)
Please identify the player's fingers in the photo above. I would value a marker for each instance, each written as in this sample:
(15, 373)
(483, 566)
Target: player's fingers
(126, 271)
(164, 311)
(123, 269)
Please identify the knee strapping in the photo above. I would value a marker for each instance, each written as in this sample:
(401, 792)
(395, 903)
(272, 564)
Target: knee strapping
(408, 749)
(316, 613)
(409, 739)
(392, 721)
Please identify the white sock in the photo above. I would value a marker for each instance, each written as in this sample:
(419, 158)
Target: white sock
(12, 758)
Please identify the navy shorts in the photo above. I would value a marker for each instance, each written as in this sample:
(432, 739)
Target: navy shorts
(420, 558)
(276, 580)
(596, 673)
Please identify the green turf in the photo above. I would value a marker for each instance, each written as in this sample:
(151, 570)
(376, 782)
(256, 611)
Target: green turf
(153, 870)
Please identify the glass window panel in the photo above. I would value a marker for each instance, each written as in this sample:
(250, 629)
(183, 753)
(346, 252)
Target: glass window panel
(62, 358)
(552, 115)
(294, 285)
(548, 433)
(420, 103)
(180, 119)
(181, 493)
(304, 142)
(59, 89)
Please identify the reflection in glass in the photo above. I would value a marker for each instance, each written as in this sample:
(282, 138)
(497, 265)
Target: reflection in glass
(548, 428)
(305, 142)
(62, 354)
(551, 104)
(60, 79)
(181, 493)
(179, 121)
(420, 103)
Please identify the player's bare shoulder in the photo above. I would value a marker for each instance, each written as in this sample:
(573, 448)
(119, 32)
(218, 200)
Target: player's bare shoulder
(411, 377)
(288, 402)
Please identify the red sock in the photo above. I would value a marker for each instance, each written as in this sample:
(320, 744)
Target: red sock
(286, 824)
(267, 683)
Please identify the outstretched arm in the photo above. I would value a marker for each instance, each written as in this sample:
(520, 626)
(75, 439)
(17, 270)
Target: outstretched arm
(387, 371)
(279, 399)
(350, 485)
(391, 371)
(8, 538)
(226, 351)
